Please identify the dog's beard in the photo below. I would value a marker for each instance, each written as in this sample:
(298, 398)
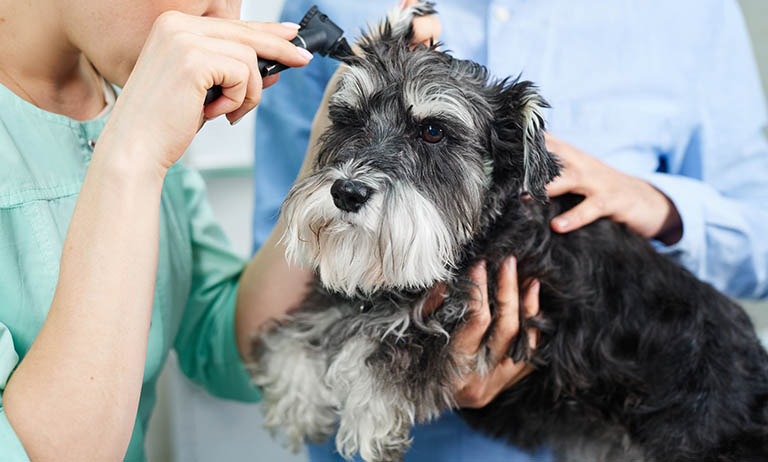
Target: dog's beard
(397, 240)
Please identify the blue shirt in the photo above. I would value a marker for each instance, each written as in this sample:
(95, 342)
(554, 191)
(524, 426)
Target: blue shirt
(666, 91)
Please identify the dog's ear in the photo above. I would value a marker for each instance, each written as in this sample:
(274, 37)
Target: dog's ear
(398, 26)
(519, 148)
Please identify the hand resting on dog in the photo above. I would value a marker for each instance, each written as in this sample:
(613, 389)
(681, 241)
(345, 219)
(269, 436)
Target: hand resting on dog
(610, 193)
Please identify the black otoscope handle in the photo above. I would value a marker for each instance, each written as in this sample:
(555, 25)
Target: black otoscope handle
(317, 34)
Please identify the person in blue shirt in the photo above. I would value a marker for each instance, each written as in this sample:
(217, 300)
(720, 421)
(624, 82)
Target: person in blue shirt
(657, 113)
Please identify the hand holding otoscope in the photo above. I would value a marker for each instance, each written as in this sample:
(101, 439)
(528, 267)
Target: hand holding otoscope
(317, 34)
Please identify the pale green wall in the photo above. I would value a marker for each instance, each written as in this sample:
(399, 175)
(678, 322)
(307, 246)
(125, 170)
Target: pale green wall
(756, 15)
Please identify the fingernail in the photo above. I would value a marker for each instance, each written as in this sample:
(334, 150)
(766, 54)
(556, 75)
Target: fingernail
(291, 25)
(237, 121)
(402, 4)
(511, 261)
(561, 223)
(304, 53)
(536, 285)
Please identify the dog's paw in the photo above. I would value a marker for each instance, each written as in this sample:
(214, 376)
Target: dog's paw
(300, 422)
(295, 401)
(372, 442)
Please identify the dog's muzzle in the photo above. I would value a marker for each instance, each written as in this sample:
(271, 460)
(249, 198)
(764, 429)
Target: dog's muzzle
(350, 195)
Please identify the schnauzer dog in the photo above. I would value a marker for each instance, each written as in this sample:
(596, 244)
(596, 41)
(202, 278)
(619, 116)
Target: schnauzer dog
(423, 172)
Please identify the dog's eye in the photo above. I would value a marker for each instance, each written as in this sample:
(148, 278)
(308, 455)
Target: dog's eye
(432, 133)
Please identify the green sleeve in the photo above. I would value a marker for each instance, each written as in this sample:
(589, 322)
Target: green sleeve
(10, 446)
(206, 343)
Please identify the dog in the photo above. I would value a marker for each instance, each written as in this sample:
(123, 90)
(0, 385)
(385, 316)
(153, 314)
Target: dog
(430, 166)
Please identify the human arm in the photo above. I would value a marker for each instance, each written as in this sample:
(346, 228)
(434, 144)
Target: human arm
(717, 234)
(75, 393)
(11, 447)
(713, 172)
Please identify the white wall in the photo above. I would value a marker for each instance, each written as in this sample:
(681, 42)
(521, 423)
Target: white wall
(188, 424)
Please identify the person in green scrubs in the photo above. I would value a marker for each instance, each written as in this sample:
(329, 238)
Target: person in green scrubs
(109, 253)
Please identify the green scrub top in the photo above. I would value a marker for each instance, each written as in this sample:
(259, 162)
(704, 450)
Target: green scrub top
(43, 160)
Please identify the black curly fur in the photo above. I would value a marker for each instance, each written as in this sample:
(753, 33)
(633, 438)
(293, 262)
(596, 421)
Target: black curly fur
(628, 338)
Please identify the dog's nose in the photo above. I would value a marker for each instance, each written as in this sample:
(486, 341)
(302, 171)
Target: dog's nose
(350, 195)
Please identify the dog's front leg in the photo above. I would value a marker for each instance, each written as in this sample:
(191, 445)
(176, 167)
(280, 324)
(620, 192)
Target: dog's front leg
(375, 417)
(289, 367)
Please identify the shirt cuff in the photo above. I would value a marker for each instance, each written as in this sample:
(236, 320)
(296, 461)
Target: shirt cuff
(10, 446)
(687, 195)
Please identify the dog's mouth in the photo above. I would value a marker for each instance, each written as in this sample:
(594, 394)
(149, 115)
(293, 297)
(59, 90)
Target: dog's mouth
(363, 235)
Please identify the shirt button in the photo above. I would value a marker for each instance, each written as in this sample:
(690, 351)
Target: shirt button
(92, 144)
(501, 13)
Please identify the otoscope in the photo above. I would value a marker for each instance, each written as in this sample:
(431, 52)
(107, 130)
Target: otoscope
(317, 33)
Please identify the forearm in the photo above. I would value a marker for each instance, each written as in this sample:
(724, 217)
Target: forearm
(77, 390)
(723, 236)
(269, 287)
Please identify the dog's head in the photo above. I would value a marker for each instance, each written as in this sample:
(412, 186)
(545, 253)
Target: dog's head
(422, 153)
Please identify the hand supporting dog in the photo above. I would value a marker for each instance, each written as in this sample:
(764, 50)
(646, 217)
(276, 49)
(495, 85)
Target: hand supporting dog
(476, 388)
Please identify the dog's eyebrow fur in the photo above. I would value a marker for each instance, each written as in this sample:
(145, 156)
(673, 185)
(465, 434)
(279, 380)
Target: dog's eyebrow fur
(424, 100)
(433, 99)
(357, 84)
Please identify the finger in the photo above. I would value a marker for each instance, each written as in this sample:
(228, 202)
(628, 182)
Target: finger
(589, 210)
(211, 25)
(269, 80)
(426, 29)
(233, 76)
(435, 299)
(508, 314)
(531, 310)
(284, 30)
(272, 47)
(269, 40)
(467, 341)
(232, 102)
(553, 143)
(534, 336)
(568, 180)
(480, 391)
(563, 184)
(511, 372)
(531, 299)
